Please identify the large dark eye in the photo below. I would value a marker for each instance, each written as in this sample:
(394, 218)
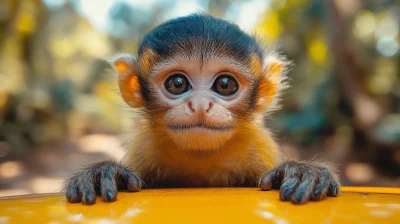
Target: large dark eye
(225, 85)
(177, 84)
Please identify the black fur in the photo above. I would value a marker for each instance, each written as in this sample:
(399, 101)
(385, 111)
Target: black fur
(300, 182)
(101, 178)
(200, 30)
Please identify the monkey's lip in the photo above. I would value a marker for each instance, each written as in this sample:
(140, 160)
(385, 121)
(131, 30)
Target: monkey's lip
(199, 127)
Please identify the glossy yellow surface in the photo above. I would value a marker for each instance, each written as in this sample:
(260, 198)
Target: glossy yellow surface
(221, 205)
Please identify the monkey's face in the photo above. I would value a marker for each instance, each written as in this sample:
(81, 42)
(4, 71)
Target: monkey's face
(201, 101)
(199, 104)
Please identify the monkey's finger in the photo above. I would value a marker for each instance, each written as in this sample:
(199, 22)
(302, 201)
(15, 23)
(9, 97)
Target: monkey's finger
(134, 183)
(320, 190)
(290, 181)
(303, 191)
(85, 186)
(333, 189)
(72, 192)
(266, 181)
(108, 186)
(127, 180)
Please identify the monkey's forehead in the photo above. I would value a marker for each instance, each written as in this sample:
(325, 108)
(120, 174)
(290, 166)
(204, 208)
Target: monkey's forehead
(178, 62)
(151, 63)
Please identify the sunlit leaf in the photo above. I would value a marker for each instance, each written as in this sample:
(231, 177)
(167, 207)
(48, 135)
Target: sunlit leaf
(364, 24)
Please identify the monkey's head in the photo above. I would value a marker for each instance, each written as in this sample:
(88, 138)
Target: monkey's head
(200, 81)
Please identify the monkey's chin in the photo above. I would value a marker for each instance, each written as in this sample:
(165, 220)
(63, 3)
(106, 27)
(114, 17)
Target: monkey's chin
(200, 138)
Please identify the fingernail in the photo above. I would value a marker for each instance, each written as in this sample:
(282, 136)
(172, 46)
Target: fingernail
(298, 198)
(88, 197)
(109, 195)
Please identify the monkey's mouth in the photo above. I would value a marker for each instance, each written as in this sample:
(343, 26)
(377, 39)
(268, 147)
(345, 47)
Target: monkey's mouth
(199, 127)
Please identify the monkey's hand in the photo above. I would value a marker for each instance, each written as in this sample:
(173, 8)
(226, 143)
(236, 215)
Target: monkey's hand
(300, 182)
(101, 178)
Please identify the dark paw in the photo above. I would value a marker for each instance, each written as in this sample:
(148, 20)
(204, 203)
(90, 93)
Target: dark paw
(300, 182)
(103, 178)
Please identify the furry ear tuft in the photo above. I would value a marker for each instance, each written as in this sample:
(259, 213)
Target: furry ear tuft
(273, 81)
(128, 81)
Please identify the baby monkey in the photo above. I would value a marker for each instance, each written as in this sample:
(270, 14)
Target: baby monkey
(202, 86)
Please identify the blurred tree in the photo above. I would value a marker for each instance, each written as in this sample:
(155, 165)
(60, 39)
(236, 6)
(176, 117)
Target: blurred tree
(366, 113)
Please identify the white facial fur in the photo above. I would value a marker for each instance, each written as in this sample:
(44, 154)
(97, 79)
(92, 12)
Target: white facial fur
(200, 119)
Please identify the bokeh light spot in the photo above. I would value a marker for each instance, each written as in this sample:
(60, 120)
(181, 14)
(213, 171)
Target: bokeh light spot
(318, 51)
(10, 169)
(387, 46)
(387, 27)
(365, 24)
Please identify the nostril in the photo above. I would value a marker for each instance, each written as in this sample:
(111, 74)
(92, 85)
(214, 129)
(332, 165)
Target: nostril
(190, 106)
(210, 105)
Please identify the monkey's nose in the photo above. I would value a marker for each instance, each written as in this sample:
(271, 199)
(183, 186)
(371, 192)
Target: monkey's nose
(199, 106)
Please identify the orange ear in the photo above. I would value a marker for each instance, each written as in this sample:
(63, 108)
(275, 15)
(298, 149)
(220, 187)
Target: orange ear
(270, 84)
(128, 80)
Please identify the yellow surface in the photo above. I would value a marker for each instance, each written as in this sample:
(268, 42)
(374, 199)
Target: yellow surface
(385, 190)
(221, 205)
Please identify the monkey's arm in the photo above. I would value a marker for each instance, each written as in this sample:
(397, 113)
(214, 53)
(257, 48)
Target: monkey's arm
(300, 182)
(102, 178)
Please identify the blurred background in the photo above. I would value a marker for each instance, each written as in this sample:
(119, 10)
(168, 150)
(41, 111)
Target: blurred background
(60, 108)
